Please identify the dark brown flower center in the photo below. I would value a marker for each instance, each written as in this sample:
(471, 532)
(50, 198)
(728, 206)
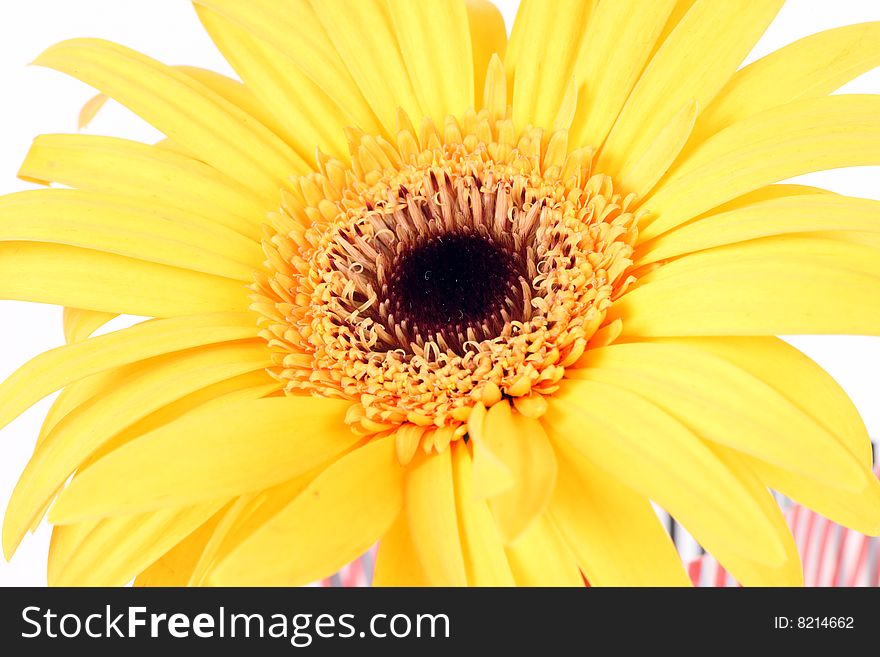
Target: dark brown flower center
(453, 282)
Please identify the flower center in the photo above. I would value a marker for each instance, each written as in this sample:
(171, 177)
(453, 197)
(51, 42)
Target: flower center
(443, 271)
(453, 283)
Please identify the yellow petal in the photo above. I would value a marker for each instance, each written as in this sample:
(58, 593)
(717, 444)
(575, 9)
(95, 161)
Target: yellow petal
(750, 572)
(797, 378)
(397, 563)
(292, 105)
(363, 35)
(651, 452)
(141, 390)
(296, 31)
(773, 286)
(108, 165)
(245, 387)
(488, 37)
(242, 96)
(70, 276)
(495, 90)
(642, 169)
(116, 550)
(694, 62)
(679, 10)
(541, 557)
(540, 59)
(607, 72)
(90, 110)
(859, 510)
(776, 216)
(432, 519)
(521, 445)
(114, 225)
(206, 124)
(491, 476)
(79, 324)
(428, 32)
(797, 138)
(769, 192)
(175, 567)
(333, 521)
(808, 68)
(725, 404)
(484, 558)
(246, 514)
(215, 452)
(614, 532)
(56, 368)
(75, 394)
(84, 391)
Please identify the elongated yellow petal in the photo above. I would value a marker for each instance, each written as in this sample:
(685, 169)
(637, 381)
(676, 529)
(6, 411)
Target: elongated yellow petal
(641, 170)
(296, 31)
(750, 572)
(808, 68)
(725, 404)
(253, 385)
(432, 519)
(334, 520)
(69, 276)
(79, 324)
(495, 91)
(679, 11)
(85, 390)
(111, 224)
(175, 567)
(657, 456)
(208, 125)
(484, 558)
(397, 563)
(491, 476)
(251, 444)
(859, 510)
(108, 165)
(541, 557)
(295, 107)
(430, 31)
(800, 380)
(722, 34)
(117, 549)
(545, 38)
(606, 70)
(773, 286)
(56, 368)
(247, 514)
(777, 216)
(76, 393)
(242, 96)
(488, 37)
(521, 444)
(244, 387)
(90, 110)
(141, 390)
(363, 35)
(634, 549)
(800, 137)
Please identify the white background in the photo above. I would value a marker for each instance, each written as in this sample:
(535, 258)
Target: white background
(38, 101)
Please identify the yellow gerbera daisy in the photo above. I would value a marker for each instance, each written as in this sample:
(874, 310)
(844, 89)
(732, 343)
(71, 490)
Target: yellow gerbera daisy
(477, 301)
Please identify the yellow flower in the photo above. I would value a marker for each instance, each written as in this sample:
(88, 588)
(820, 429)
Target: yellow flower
(476, 301)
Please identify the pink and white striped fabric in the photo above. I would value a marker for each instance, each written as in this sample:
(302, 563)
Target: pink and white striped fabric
(831, 554)
(358, 573)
